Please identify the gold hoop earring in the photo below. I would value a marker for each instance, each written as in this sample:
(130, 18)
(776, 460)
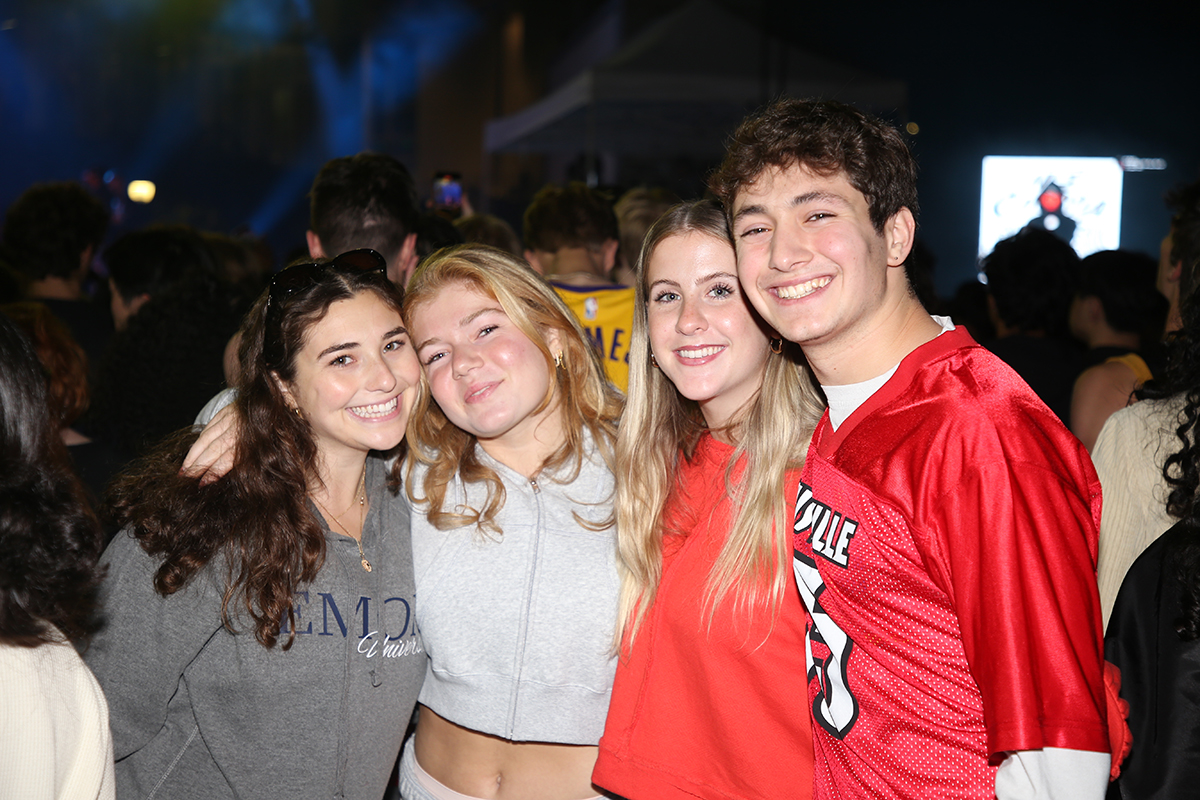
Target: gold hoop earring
(653, 361)
(558, 360)
(777, 346)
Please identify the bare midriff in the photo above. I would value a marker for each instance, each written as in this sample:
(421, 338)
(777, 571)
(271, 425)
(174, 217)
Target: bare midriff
(481, 765)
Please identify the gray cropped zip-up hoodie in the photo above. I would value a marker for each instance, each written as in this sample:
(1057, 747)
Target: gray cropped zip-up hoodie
(518, 628)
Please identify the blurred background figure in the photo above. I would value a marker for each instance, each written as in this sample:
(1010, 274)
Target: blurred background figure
(367, 200)
(489, 229)
(242, 260)
(1030, 279)
(51, 234)
(1134, 443)
(571, 239)
(969, 308)
(1119, 315)
(435, 231)
(167, 362)
(144, 264)
(1179, 253)
(636, 211)
(65, 365)
(53, 716)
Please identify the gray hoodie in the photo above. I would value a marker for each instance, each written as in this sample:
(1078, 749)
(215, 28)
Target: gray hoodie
(519, 627)
(198, 711)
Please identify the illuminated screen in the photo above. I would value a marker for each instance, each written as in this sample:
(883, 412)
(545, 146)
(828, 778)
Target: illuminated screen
(1077, 199)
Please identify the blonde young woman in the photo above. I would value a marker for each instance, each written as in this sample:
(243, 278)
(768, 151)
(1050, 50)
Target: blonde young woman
(711, 628)
(510, 475)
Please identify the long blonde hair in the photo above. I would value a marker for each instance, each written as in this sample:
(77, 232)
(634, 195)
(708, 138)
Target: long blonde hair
(589, 402)
(660, 426)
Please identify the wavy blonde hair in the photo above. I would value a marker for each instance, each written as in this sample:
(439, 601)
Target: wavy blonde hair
(589, 402)
(660, 426)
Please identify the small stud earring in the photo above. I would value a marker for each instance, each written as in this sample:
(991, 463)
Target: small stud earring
(777, 346)
(558, 360)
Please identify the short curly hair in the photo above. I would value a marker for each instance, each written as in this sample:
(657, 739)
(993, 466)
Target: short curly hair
(826, 137)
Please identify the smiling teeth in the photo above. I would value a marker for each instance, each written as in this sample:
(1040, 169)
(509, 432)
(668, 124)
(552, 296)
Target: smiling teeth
(702, 352)
(802, 289)
(377, 410)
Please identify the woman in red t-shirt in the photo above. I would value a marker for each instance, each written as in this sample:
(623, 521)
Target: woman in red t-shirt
(710, 698)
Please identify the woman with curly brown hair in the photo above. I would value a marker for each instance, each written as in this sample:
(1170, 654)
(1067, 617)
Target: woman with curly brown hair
(1153, 634)
(259, 638)
(53, 718)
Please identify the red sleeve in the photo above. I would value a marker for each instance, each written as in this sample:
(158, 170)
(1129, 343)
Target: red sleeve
(1015, 549)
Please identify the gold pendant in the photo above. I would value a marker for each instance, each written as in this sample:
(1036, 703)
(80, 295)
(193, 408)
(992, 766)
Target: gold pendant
(366, 565)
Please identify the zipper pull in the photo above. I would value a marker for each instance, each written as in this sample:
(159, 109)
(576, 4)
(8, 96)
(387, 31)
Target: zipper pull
(536, 489)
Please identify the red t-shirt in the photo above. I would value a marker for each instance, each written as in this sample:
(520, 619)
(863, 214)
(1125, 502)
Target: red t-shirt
(945, 544)
(697, 712)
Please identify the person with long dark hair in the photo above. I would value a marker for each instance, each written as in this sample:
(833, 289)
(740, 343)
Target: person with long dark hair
(1153, 634)
(53, 717)
(260, 638)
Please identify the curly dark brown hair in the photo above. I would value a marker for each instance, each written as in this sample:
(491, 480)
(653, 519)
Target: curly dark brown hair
(826, 137)
(255, 522)
(50, 541)
(1181, 470)
(1181, 379)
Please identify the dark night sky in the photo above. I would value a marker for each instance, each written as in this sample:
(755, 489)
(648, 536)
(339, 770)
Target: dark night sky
(1097, 79)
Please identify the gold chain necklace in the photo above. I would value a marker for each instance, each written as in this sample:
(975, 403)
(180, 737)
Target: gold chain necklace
(362, 504)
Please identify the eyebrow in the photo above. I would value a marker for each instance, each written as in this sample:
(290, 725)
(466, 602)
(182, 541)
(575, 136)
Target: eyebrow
(714, 275)
(702, 279)
(748, 211)
(462, 323)
(821, 197)
(334, 348)
(399, 330)
(798, 200)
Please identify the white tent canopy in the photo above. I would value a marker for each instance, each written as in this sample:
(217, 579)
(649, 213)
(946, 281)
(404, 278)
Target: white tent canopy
(679, 88)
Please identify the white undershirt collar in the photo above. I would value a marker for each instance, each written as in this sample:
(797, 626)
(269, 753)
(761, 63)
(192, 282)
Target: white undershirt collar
(844, 400)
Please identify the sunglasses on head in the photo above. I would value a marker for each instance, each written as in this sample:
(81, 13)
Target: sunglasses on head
(290, 280)
(300, 277)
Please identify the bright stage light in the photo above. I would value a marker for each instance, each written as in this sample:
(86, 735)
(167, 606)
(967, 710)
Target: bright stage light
(141, 191)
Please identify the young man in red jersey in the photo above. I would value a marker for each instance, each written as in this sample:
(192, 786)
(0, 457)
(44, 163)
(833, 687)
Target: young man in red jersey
(945, 532)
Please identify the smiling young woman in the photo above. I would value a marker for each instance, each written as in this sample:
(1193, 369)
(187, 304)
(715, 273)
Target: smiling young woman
(511, 481)
(253, 605)
(714, 433)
